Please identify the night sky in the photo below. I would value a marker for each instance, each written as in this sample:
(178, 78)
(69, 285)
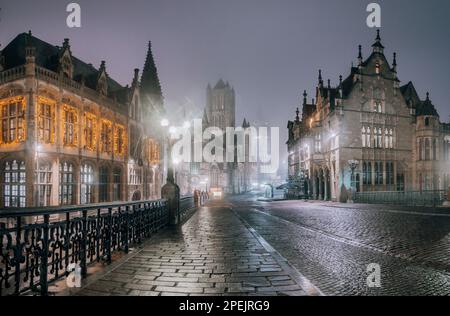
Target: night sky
(269, 50)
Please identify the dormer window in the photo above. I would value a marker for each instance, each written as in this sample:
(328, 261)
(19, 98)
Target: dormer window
(67, 66)
(377, 68)
(427, 121)
(101, 85)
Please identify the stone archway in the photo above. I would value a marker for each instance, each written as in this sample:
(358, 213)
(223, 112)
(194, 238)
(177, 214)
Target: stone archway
(136, 196)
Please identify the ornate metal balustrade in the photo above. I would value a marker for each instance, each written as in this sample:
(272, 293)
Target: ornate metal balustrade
(38, 245)
(407, 198)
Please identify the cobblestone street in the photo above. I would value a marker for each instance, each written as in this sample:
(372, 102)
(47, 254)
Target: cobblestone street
(213, 254)
(332, 244)
(245, 247)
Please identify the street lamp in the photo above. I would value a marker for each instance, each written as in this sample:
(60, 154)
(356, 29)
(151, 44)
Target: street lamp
(172, 130)
(187, 125)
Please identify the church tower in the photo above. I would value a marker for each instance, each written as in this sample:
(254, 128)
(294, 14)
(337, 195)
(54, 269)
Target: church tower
(220, 106)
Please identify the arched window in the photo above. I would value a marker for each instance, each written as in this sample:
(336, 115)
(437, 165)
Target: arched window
(435, 157)
(380, 138)
(15, 179)
(427, 149)
(117, 184)
(103, 184)
(427, 121)
(66, 183)
(365, 173)
(368, 140)
(391, 138)
(43, 178)
(386, 138)
(87, 184)
(420, 149)
(376, 173)
(363, 136)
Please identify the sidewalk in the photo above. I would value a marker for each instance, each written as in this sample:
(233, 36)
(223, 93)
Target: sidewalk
(214, 253)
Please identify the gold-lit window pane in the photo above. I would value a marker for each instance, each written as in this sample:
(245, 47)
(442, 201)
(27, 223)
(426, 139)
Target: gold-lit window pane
(12, 120)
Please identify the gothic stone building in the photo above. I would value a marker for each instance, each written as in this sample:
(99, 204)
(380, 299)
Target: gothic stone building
(393, 140)
(228, 177)
(70, 134)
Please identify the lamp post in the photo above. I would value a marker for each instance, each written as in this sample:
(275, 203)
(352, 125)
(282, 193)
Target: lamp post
(170, 191)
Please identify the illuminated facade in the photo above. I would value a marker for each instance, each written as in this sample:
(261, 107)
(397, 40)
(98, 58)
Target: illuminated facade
(227, 177)
(72, 135)
(368, 134)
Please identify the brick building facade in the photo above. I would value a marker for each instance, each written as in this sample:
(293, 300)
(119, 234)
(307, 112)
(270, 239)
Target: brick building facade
(70, 134)
(368, 133)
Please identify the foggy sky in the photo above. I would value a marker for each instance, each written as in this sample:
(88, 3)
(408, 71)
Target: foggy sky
(269, 50)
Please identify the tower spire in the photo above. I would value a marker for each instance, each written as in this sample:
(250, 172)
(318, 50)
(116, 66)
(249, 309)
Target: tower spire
(360, 58)
(297, 115)
(150, 85)
(305, 96)
(394, 63)
(377, 46)
(320, 77)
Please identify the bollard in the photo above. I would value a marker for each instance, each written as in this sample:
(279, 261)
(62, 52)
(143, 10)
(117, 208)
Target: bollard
(171, 192)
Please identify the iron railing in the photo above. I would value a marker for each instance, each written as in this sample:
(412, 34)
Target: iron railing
(38, 245)
(407, 198)
(187, 203)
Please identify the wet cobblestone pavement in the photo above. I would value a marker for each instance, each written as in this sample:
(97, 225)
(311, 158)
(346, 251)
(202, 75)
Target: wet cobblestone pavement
(332, 244)
(245, 247)
(214, 253)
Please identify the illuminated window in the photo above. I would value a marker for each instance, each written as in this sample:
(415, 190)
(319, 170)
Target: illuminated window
(87, 184)
(66, 183)
(46, 120)
(119, 140)
(427, 149)
(43, 183)
(106, 137)
(70, 118)
(15, 178)
(135, 176)
(13, 121)
(90, 131)
(391, 138)
(153, 151)
(318, 143)
(363, 136)
(368, 138)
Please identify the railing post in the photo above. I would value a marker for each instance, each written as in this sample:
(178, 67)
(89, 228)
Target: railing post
(83, 252)
(67, 243)
(97, 235)
(109, 237)
(127, 231)
(18, 254)
(44, 257)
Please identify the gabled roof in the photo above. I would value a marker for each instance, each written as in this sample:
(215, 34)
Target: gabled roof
(426, 108)
(410, 95)
(47, 56)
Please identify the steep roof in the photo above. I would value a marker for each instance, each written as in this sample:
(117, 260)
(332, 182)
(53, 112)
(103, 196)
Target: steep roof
(47, 56)
(220, 85)
(426, 108)
(150, 84)
(410, 94)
